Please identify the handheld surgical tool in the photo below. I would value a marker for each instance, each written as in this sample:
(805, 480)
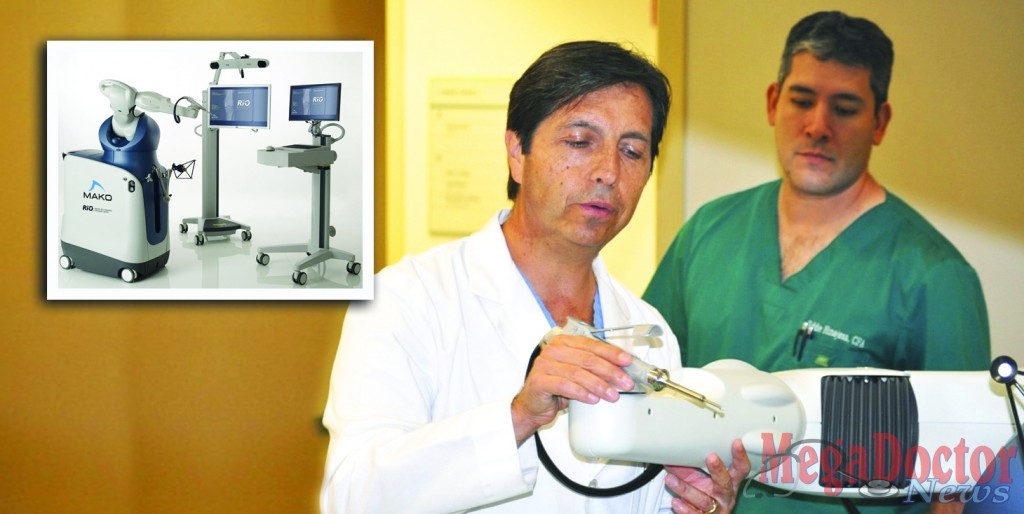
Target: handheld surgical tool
(641, 372)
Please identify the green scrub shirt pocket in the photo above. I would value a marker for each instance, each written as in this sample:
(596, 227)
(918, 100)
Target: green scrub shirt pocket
(826, 352)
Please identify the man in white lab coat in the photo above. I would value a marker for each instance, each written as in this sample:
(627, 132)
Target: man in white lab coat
(428, 408)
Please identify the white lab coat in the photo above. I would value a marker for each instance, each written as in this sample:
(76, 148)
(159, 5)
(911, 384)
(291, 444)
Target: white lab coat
(419, 404)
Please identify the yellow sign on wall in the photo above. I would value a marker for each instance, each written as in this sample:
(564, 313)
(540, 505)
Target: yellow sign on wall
(468, 170)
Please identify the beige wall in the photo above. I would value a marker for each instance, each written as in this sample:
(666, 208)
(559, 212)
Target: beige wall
(952, 150)
(454, 38)
(153, 407)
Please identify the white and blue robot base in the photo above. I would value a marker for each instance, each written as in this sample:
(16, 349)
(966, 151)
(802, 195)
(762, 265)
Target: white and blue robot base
(115, 200)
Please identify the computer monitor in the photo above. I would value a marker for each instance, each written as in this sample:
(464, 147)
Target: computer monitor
(315, 102)
(240, 106)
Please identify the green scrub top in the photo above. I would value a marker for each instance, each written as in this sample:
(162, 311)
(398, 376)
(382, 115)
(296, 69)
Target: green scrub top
(889, 292)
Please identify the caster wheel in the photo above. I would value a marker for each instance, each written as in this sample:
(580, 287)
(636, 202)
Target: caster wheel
(262, 259)
(299, 277)
(200, 240)
(246, 235)
(183, 228)
(331, 231)
(66, 262)
(129, 275)
(353, 267)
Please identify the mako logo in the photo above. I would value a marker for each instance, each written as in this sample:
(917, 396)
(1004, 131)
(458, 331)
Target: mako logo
(92, 194)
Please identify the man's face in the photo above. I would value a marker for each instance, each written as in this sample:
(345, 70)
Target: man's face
(588, 164)
(825, 124)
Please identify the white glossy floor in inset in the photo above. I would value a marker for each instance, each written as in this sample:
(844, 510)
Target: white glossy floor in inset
(226, 268)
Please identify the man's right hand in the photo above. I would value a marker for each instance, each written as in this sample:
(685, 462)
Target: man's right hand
(568, 368)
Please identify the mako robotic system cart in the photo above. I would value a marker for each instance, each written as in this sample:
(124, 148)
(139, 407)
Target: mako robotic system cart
(311, 103)
(115, 199)
(220, 105)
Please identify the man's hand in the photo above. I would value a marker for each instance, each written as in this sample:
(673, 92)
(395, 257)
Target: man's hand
(700, 493)
(568, 368)
(954, 507)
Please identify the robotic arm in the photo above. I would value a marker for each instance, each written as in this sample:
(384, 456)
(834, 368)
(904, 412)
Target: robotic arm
(856, 432)
(129, 105)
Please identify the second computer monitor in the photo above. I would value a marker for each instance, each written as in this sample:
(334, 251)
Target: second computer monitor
(315, 102)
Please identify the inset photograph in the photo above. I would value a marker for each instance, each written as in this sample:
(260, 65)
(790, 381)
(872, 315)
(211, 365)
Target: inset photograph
(209, 170)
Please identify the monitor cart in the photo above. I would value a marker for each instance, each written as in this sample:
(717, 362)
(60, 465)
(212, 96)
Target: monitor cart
(315, 159)
(211, 222)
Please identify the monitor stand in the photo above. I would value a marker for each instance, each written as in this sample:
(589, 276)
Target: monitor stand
(315, 159)
(212, 223)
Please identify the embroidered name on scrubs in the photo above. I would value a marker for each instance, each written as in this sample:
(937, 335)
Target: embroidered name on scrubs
(838, 335)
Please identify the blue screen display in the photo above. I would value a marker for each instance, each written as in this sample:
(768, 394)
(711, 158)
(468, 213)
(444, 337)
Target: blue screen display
(315, 102)
(240, 106)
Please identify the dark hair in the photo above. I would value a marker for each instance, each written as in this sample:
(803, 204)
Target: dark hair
(569, 71)
(832, 35)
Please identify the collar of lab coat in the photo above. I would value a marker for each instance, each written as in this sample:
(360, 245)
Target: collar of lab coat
(513, 311)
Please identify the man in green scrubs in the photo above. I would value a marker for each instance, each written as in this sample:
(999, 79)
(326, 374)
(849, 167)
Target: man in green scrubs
(823, 267)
